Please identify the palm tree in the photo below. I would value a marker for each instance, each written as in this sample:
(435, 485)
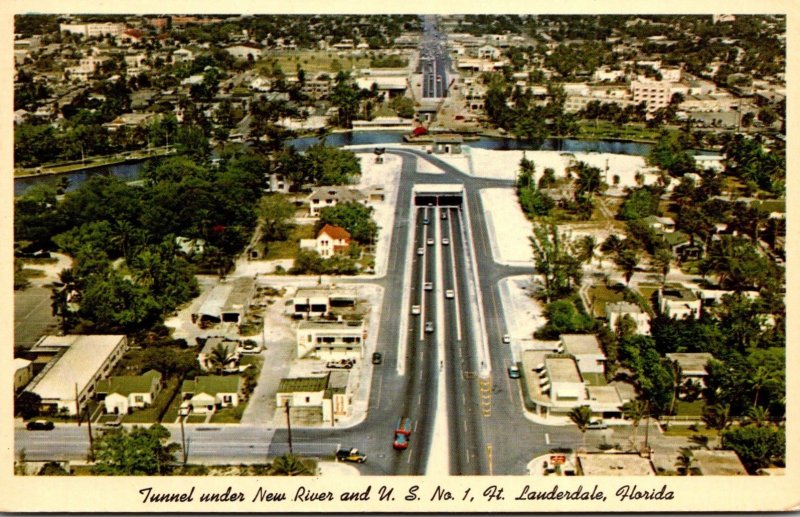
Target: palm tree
(220, 356)
(677, 373)
(581, 416)
(613, 245)
(589, 179)
(717, 417)
(661, 261)
(627, 260)
(586, 245)
(290, 465)
(685, 462)
(757, 416)
(635, 410)
(761, 378)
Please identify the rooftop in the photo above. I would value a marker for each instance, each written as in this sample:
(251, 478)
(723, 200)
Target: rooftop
(303, 384)
(562, 369)
(334, 232)
(212, 384)
(331, 325)
(127, 384)
(213, 342)
(718, 463)
(691, 362)
(79, 364)
(615, 464)
(679, 293)
(581, 344)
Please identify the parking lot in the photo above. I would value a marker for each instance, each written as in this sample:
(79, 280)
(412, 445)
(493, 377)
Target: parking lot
(33, 316)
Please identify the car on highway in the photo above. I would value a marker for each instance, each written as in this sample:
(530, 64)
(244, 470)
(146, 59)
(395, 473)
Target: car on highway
(597, 424)
(420, 251)
(513, 371)
(40, 424)
(506, 339)
(444, 215)
(445, 241)
(402, 431)
(377, 358)
(416, 310)
(449, 294)
(430, 241)
(429, 326)
(426, 221)
(429, 286)
(353, 455)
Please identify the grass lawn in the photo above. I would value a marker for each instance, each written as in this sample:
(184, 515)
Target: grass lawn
(647, 290)
(595, 379)
(683, 408)
(683, 430)
(229, 415)
(27, 274)
(311, 61)
(289, 248)
(195, 419)
(600, 295)
(172, 412)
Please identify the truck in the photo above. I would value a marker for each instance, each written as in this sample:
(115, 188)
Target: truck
(402, 432)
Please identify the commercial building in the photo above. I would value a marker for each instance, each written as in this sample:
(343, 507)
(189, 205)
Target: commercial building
(331, 340)
(227, 302)
(311, 303)
(69, 380)
(322, 399)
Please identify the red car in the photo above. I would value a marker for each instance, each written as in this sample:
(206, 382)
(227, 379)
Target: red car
(402, 433)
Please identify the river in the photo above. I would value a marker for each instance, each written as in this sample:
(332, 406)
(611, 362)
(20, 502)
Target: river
(130, 171)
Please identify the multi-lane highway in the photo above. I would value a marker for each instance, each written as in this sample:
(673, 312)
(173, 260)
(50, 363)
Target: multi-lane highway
(434, 61)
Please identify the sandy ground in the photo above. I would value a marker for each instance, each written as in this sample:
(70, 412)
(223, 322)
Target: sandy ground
(426, 167)
(508, 227)
(335, 468)
(386, 175)
(51, 271)
(487, 163)
(522, 312)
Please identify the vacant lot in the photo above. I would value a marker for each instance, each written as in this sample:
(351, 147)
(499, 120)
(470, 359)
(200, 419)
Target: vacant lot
(311, 61)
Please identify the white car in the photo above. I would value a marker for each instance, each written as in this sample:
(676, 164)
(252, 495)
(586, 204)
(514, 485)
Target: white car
(506, 339)
(416, 310)
(445, 241)
(429, 286)
(449, 294)
(420, 251)
(429, 326)
(430, 241)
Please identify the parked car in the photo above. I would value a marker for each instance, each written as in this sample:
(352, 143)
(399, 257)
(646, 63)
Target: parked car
(597, 424)
(40, 424)
(449, 294)
(377, 358)
(428, 326)
(352, 455)
(344, 363)
(513, 371)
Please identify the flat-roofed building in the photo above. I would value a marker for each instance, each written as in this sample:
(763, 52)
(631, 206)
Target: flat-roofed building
(227, 302)
(693, 366)
(587, 352)
(322, 399)
(615, 311)
(68, 382)
(676, 301)
(718, 463)
(614, 464)
(317, 302)
(23, 371)
(331, 340)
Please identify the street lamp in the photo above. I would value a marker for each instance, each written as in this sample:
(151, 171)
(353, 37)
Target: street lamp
(183, 412)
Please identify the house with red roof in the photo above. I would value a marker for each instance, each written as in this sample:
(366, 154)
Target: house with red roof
(331, 240)
(130, 36)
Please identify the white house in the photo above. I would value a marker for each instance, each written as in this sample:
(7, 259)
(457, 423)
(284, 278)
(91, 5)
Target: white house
(206, 393)
(122, 394)
(614, 311)
(322, 197)
(327, 398)
(331, 340)
(676, 301)
(331, 240)
(693, 366)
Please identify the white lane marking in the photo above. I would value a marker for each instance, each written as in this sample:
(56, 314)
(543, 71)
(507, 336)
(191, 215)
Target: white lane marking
(547, 438)
(402, 334)
(455, 277)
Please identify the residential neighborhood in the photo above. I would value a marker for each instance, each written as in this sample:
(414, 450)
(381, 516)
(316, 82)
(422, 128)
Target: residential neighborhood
(400, 245)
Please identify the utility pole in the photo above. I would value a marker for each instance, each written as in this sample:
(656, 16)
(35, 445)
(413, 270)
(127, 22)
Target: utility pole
(289, 427)
(647, 429)
(181, 416)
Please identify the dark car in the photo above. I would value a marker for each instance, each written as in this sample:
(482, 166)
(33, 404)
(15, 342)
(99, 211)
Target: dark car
(40, 425)
(352, 455)
(377, 358)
